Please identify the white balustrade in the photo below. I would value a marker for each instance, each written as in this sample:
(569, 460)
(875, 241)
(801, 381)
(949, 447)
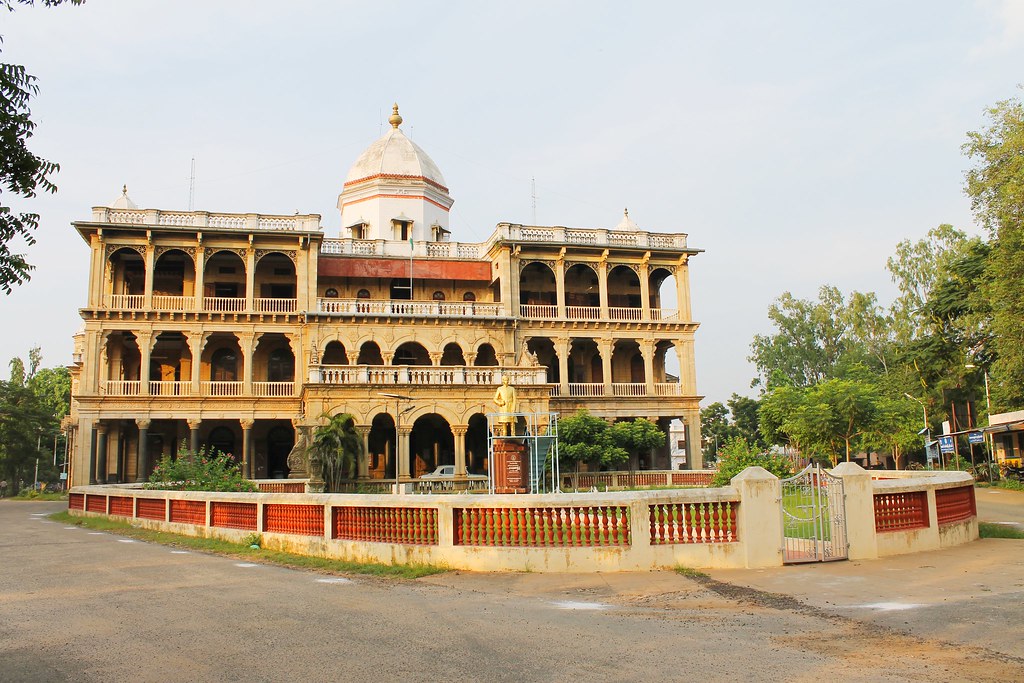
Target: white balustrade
(583, 312)
(445, 375)
(121, 387)
(126, 302)
(538, 311)
(588, 390)
(668, 389)
(221, 304)
(629, 389)
(170, 388)
(274, 305)
(222, 388)
(461, 309)
(273, 389)
(620, 313)
(202, 219)
(664, 314)
(166, 302)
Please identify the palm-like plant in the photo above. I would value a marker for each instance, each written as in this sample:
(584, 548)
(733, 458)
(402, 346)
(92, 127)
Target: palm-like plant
(335, 450)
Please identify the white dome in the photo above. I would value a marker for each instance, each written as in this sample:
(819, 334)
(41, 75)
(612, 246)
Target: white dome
(395, 155)
(123, 201)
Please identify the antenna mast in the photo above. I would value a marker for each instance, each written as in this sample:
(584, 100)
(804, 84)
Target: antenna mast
(533, 197)
(192, 185)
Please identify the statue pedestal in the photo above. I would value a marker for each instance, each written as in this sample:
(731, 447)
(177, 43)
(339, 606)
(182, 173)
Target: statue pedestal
(510, 466)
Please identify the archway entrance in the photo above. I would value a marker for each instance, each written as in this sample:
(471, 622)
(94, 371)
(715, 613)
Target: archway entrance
(431, 444)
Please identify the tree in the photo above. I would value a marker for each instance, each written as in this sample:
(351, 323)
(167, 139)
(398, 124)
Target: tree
(715, 428)
(335, 450)
(585, 438)
(738, 455)
(996, 188)
(640, 436)
(745, 418)
(30, 412)
(21, 172)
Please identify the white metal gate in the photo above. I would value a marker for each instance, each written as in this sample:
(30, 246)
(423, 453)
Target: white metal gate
(813, 517)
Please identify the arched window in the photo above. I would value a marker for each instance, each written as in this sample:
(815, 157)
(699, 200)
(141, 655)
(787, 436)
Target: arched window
(469, 296)
(363, 294)
(438, 296)
(281, 366)
(224, 366)
(331, 293)
(222, 439)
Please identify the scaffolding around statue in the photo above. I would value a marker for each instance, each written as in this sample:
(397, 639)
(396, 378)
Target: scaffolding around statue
(523, 458)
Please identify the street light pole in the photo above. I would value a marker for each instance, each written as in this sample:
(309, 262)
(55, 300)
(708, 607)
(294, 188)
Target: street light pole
(398, 420)
(988, 413)
(927, 430)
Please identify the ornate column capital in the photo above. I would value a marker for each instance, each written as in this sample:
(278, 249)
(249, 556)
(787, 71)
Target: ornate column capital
(247, 424)
(142, 422)
(193, 423)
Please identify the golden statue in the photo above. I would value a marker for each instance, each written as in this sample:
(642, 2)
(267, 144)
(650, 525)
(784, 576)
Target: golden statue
(508, 402)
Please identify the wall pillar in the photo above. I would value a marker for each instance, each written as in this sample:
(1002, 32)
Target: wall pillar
(250, 278)
(147, 290)
(605, 346)
(200, 287)
(602, 282)
(647, 351)
(860, 510)
(363, 463)
(92, 454)
(196, 342)
(145, 341)
(560, 286)
(248, 343)
(459, 432)
(645, 289)
(404, 436)
(142, 463)
(562, 350)
(759, 518)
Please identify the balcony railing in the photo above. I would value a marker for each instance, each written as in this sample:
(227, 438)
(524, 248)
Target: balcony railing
(121, 387)
(165, 302)
(127, 302)
(272, 389)
(538, 311)
(274, 305)
(443, 309)
(223, 304)
(550, 312)
(619, 313)
(583, 312)
(668, 389)
(580, 390)
(425, 375)
(205, 219)
(222, 388)
(629, 389)
(170, 388)
(618, 389)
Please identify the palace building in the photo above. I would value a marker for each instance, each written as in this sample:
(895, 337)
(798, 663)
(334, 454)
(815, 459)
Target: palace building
(243, 331)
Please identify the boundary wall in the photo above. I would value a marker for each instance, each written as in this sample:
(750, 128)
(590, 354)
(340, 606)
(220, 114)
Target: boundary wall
(738, 526)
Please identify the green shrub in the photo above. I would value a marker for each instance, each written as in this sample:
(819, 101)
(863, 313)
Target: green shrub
(737, 455)
(207, 470)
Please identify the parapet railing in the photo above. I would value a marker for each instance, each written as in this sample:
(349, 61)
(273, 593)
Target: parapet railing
(638, 478)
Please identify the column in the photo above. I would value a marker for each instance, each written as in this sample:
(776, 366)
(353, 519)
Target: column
(562, 350)
(404, 436)
(247, 342)
(193, 435)
(602, 282)
(363, 464)
(459, 432)
(97, 266)
(353, 357)
(200, 290)
(246, 447)
(435, 358)
(694, 455)
(683, 290)
(119, 455)
(145, 341)
(250, 278)
(142, 462)
(147, 292)
(196, 342)
(101, 453)
(605, 347)
(645, 289)
(93, 431)
(560, 286)
(647, 351)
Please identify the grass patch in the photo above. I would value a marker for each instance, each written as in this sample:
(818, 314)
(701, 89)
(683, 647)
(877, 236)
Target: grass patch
(990, 530)
(689, 572)
(1011, 484)
(29, 494)
(217, 546)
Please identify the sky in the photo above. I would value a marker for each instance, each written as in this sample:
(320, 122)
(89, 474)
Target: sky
(795, 142)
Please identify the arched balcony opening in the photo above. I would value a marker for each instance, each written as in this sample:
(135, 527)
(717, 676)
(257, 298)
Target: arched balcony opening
(275, 284)
(381, 458)
(224, 283)
(279, 442)
(222, 366)
(586, 371)
(624, 302)
(174, 281)
(411, 353)
(582, 293)
(666, 370)
(369, 354)
(453, 355)
(224, 440)
(628, 378)
(273, 364)
(170, 366)
(126, 280)
(538, 292)
(544, 349)
(664, 295)
(485, 356)
(476, 444)
(431, 444)
(124, 361)
(334, 354)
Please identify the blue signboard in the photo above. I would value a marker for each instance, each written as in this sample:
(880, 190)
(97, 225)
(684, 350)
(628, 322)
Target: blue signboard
(975, 437)
(946, 444)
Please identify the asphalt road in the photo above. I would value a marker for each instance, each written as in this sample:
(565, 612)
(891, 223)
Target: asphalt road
(77, 605)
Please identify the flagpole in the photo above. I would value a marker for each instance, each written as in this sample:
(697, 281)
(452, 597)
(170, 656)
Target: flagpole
(410, 262)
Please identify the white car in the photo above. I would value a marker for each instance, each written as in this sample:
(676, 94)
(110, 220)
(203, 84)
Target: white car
(448, 472)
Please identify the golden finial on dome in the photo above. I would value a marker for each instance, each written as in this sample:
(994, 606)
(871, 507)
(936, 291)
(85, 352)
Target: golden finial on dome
(396, 119)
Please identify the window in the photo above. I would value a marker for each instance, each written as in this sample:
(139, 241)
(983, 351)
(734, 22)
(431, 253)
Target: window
(281, 366)
(225, 290)
(363, 294)
(333, 293)
(438, 296)
(224, 366)
(469, 296)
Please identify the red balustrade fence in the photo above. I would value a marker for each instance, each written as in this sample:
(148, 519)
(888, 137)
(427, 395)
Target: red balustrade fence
(901, 511)
(122, 506)
(76, 501)
(692, 478)
(283, 487)
(95, 503)
(410, 526)
(955, 505)
(151, 508)
(188, 512)
(233, 515)
(543, 527)
(307, 520)
(713, 522)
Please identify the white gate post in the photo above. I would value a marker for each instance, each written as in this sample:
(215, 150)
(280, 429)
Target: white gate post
(860, 510)
(760, 516)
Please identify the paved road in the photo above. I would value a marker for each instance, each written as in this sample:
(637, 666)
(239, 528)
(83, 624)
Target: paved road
(84, 606)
